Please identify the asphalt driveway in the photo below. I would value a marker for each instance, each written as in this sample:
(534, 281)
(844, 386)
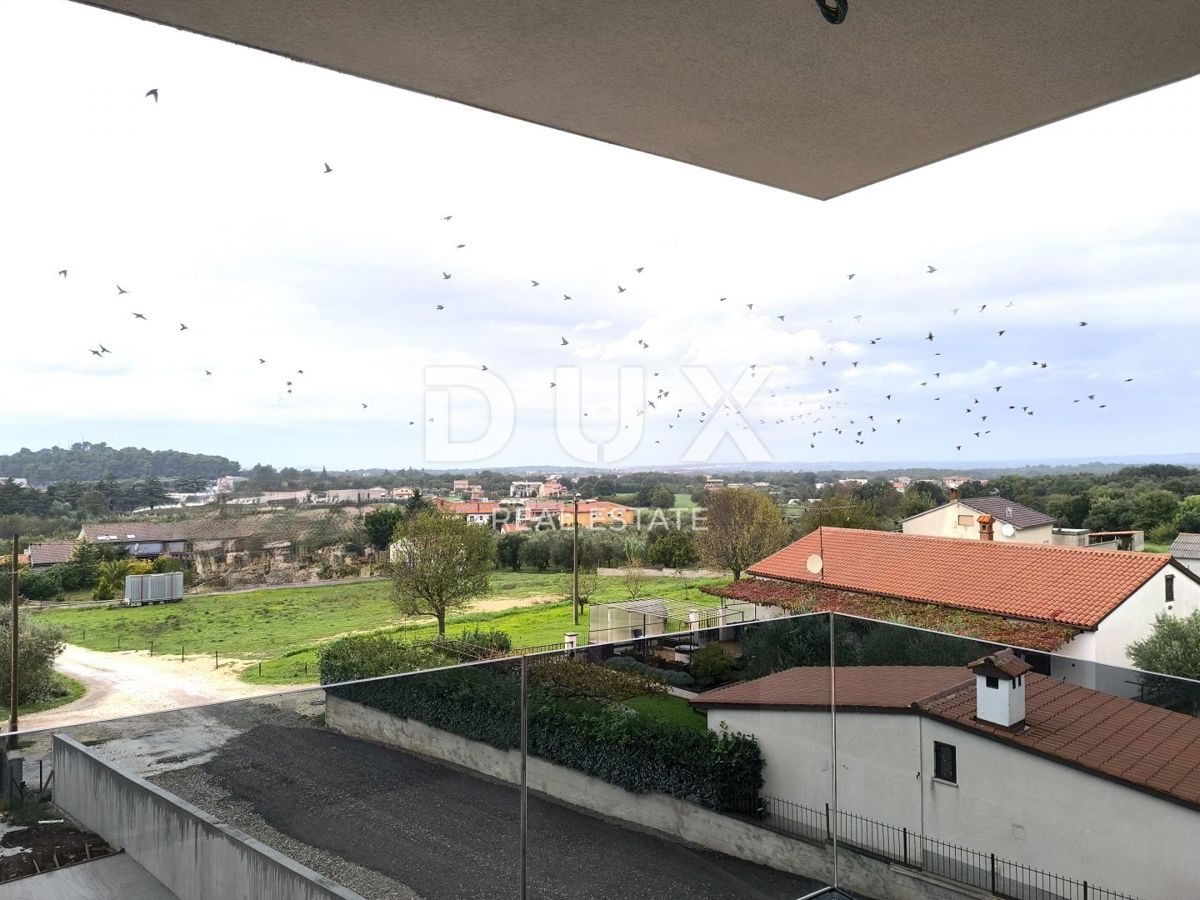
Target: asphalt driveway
(450, 835)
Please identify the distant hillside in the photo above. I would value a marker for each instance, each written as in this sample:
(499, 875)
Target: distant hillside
(93, 462)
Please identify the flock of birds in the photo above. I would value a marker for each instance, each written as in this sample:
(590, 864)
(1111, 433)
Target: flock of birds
(829, 418)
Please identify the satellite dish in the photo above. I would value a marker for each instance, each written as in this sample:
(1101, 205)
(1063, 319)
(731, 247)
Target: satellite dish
(815, 564)
(1007, 530)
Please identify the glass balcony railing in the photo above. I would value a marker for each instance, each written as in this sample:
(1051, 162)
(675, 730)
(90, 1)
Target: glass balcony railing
(761, 759)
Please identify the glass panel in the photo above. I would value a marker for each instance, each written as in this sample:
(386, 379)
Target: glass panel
(646, 764)
(1069, 780)
(397, 787)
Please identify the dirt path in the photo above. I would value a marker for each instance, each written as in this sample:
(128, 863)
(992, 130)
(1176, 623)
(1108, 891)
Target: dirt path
(133, 682)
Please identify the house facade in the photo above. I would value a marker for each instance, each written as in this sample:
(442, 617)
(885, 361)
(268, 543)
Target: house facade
(599, 514)
(1067, 788)
(960, 519)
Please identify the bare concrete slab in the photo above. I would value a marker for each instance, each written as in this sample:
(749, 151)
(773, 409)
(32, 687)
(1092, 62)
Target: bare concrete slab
(102, 879)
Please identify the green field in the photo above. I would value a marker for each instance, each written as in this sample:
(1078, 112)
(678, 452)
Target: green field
(684, 501)
(669, 708)
(74, 690)
(282, 627)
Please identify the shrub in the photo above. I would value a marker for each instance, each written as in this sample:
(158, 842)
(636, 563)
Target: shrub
(37, 648)
(667, 676)
(572, 678)
(44, 585)
(487, 638)
(372, 655)
(599, 738)
(167, 564)
(710, 665)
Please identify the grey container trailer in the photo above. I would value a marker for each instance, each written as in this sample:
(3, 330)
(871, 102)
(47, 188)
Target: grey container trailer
(145, 589)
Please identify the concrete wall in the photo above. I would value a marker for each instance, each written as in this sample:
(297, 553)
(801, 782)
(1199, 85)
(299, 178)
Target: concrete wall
(942, 521)
(191, 853)
(1022, 807)
(675, 818)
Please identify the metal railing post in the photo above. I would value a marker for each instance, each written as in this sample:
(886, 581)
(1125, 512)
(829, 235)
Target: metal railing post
(993, 873)
(524, 767)
(906, 846)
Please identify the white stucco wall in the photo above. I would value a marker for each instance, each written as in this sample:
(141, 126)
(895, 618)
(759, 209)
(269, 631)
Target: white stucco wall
(1020, 806)
(943, 522)
(1132, 621)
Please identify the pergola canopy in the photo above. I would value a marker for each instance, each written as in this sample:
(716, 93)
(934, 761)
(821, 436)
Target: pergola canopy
(765, 90)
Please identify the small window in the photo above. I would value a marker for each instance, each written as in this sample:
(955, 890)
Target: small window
(1016, 682)
(993, 682)
(945, 762)
(966, 521)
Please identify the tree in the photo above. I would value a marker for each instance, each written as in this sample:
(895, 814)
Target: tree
(112, 579)
(440, 564)
(1173, 647)
(740, 528)
(93, 503)
(508, 550)
(1187, 516)
(675, 549)
(37, 648)
(634, 576)
(535, 552)
(381, 525)
(1154, 507)
(662, 497)
(417, 504)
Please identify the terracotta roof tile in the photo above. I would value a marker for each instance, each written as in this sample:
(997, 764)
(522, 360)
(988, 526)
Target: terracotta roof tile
(861, 687)
(49, 553)
(1132, 742)
(1071, 585)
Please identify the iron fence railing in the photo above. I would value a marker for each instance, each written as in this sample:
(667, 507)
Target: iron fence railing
(1001, 877)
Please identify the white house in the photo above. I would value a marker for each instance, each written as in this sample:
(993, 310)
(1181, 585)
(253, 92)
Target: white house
(1107, 598)
(1186, 551)
(997, 759)
(960, 519)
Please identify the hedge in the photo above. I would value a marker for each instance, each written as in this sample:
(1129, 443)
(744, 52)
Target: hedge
(597, 737)
(372, 655)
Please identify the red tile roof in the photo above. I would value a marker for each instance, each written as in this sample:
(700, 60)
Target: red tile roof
(1071, 585)
(1132, 742)
(1135, 743)
(858, 687)
(50, 553)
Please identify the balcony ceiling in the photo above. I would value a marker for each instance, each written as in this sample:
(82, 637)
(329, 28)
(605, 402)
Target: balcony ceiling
(760, 89)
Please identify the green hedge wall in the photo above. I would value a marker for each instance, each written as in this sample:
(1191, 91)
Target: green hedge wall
(597, 737)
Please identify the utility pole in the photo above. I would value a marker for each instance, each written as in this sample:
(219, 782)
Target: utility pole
(13, 688)
(575, 562)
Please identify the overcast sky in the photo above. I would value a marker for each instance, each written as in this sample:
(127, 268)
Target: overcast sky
(212, 209)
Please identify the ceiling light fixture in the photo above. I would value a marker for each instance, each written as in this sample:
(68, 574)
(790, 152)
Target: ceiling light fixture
(834, 11)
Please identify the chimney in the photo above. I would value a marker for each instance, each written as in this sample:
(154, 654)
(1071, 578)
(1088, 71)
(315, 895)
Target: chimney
(1000, 689)
(985, 527)
(953, 495)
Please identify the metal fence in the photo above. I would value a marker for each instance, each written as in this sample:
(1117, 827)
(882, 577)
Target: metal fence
(1001, 877)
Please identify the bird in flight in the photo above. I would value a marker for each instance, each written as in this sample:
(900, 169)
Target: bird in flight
(1081, 324)
(439, 306)
(121, 290)
(207, 372)
(459, 246)
(104, 349)
(954, 312)
(445, 276)
(299, 371)
(639, 269)
(261, 361)
(931, 269)
(929, 337)
(94, 352)
(182, 327)
(153, 92)
(554, 384)
(328, 168)
(447, 218)
(780, 318)
(850, 277)
(620, 290)
(364, 406)
(564, 341)
(566, 296)
(62, 272)
(483, 368)
(749, 306)
(139, 316)
(534, 283)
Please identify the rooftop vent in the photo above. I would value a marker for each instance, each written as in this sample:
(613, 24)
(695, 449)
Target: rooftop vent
(1000, 689)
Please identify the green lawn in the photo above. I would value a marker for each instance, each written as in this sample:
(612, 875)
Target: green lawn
(1157, 548)
(282, 627)
(684, 501)
(74, 690)
(669, 708)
